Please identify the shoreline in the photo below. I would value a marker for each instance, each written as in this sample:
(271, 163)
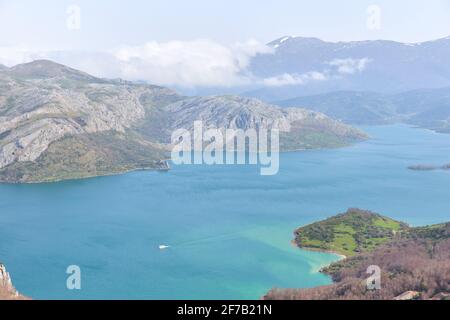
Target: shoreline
(349, 274)
(340, 255)
(110, 174)
(167, 167)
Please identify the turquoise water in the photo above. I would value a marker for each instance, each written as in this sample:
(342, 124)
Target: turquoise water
(229, 227)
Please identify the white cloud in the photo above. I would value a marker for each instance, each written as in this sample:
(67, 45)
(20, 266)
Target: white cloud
(295, 79)
(245, 51)
(12, 55)
(188, 63)
(179, 63)
(349, 65)
(341, 67)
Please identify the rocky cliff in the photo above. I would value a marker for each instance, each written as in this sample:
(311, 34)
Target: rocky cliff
(7, 290)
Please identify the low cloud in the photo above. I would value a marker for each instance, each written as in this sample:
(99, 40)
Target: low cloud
(295, 79)
(335, 69)
(197, 63)
(12, 55)
(184, 64)
(349, 65)
(188, 63)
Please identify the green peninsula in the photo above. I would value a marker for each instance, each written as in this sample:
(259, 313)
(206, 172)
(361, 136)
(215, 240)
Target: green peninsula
(349, 233)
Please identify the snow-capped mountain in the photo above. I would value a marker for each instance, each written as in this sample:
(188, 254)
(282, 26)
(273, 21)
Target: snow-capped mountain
(301, 66)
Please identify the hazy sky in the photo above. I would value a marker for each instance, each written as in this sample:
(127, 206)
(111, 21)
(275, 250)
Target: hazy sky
(110, 23)
(197, 42)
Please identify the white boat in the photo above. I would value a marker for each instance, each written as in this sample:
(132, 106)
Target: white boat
(163, 247)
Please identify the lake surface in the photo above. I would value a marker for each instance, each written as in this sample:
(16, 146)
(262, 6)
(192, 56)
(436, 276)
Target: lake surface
(228, 227)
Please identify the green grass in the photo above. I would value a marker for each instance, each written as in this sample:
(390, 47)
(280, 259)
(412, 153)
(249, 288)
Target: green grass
(350, 233)
(387, 223)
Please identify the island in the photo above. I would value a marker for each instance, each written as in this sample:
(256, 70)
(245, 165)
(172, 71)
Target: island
(414, 261)
(428, 167)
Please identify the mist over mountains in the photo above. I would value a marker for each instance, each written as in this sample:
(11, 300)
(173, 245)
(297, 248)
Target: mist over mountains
(281, 69)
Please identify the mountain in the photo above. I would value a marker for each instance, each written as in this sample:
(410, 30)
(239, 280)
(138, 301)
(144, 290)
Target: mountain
(58, 123)
(379, 65)
(299, 128)
(350, 106)
(45, 69)
(428, 108)
(414, 262)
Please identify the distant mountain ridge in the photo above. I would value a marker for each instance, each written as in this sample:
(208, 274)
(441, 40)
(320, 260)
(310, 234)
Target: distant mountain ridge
(59, 123)
(45, 69)
(389, 66)
(428, 108)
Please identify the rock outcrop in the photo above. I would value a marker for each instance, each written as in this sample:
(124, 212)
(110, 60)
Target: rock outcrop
(7, 290)
(408, 295)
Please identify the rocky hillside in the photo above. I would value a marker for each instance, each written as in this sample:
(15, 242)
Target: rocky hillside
(299, 128)
(7, 290)
(414, 262)
(59, 123)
